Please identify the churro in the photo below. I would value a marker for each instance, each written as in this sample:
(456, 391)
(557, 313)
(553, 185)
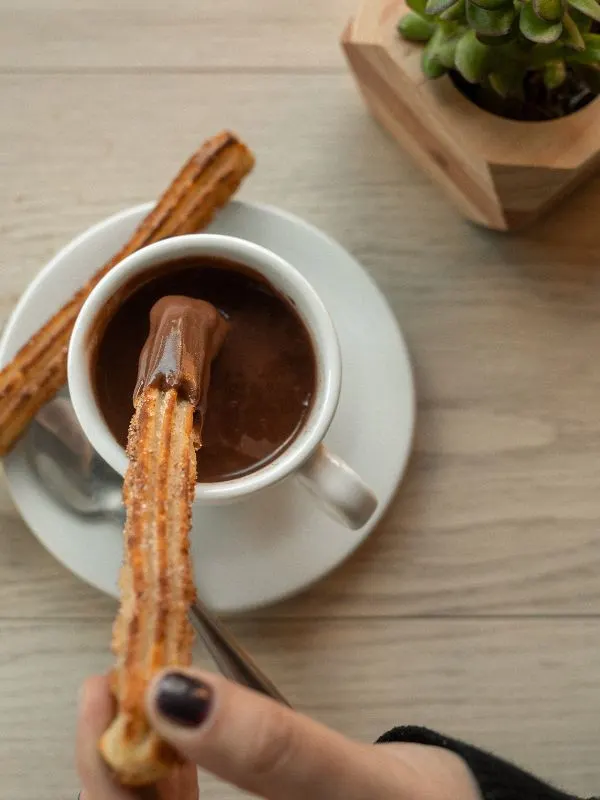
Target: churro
(204, 184)
(152, 630)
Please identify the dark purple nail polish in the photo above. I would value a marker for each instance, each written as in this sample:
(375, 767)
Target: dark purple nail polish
(183, 700)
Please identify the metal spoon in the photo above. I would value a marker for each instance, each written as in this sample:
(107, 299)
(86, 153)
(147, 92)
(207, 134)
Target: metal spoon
(75, 475)
(68, 466)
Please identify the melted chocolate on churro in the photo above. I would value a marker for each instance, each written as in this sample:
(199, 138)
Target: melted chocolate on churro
(261, 383)
(185, 336)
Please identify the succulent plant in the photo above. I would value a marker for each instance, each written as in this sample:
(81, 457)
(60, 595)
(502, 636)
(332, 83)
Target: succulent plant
(497, 43)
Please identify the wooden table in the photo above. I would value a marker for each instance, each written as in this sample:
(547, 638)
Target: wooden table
(475, 607)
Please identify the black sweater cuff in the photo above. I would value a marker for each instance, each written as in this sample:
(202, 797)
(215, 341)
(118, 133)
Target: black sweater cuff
(497, 779)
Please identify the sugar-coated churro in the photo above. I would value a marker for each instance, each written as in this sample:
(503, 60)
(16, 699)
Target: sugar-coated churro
(152, 630)
(204, 184)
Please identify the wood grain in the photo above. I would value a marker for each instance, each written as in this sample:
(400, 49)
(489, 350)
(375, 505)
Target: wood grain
(475, 607)
(515, 687)
(186, 35)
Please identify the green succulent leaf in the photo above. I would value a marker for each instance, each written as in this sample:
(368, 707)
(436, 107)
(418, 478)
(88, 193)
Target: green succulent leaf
(583, 23)
(454, 13)
(549, 10)
(555, 73)
(442, 48)
(498, 84)
(536, 29)
(430, 61)
(430, 65)
(437, 6)
(472, 58)
(507, 79)
(418, 6)
(590, 53)
(446, 52)
(489, 23)
(493, 5)
(588, 7)
(497, 41)
(592, 45)
(572, 35)
(414, 28)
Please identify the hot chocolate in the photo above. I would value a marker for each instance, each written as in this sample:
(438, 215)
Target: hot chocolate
(262, 382)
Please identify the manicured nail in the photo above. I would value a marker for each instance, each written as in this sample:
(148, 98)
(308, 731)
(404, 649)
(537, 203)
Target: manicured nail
(183, 700)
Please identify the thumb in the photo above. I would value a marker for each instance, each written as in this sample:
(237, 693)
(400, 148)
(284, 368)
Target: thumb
(258, 745)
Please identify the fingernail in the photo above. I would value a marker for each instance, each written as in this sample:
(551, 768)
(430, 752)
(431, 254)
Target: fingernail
(183, 700)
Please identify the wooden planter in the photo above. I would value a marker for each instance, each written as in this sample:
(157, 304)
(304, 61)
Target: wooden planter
(500, 173)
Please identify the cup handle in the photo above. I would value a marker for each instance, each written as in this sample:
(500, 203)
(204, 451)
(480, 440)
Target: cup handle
(338, 488)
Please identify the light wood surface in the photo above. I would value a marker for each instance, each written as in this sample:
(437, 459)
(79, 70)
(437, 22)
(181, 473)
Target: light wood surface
(475, 608)
(499, 172)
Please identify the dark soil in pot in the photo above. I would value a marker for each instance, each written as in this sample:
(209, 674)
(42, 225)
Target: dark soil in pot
(538, 104)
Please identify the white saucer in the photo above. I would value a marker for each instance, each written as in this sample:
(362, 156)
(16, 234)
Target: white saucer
(260, 550)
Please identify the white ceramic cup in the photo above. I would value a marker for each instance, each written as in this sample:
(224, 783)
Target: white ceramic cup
(327, 477)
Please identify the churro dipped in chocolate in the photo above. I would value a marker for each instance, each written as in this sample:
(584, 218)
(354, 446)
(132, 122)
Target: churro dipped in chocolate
(152, 630)
(205, 184)
(185, 335)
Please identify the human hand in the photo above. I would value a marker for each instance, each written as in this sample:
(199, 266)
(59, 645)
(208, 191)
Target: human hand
(263, 748)
(96, 711)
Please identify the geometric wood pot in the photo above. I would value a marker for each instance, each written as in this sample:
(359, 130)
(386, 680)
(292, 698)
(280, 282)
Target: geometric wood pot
(500, 173)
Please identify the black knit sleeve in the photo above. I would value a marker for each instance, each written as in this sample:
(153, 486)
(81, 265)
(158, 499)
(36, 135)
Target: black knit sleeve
(497, 779)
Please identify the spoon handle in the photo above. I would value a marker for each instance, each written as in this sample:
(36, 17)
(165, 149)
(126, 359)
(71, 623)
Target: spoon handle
(231, 659)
